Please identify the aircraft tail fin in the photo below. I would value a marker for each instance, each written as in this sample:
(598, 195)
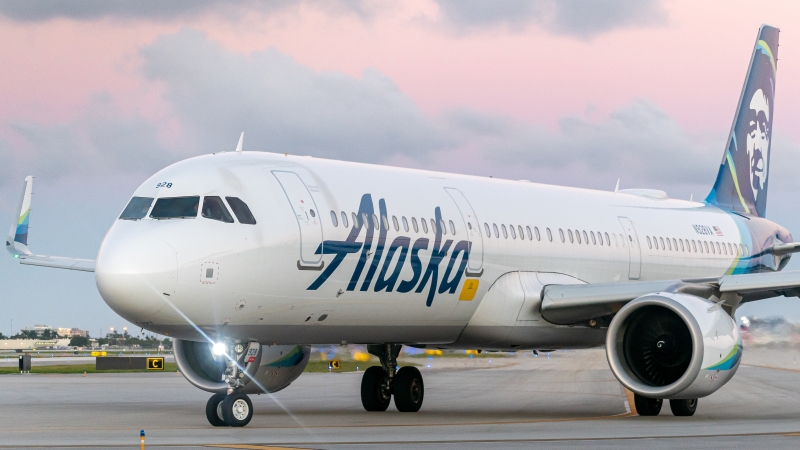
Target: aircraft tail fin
(742, 179)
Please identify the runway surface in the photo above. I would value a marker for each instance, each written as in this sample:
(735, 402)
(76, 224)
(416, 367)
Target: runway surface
(570, 400)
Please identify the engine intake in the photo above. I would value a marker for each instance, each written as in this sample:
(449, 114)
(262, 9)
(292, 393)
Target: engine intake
(673, 346)
(272, 369)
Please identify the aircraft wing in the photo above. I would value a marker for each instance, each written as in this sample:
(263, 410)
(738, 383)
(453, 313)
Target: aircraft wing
(569, 304)
(17, 240)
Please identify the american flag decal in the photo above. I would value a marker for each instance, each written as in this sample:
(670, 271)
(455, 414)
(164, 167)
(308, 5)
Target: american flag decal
(719, 232)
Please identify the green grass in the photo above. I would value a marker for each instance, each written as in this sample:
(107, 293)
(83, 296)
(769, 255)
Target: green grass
(79, 368)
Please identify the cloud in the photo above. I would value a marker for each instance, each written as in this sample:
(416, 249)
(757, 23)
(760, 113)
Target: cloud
(638, 142)
(100, 140)
(165, 10)
(580, 18)
(283, 106)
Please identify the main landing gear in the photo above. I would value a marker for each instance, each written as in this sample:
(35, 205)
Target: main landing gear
(379, 384)
(652, 406)
(232, 408)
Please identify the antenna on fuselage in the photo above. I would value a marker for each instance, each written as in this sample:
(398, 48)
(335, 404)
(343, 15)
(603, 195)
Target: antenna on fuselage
(241, 140)
(616, 189)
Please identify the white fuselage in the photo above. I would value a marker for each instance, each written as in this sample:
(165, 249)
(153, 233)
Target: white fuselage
(155, 273)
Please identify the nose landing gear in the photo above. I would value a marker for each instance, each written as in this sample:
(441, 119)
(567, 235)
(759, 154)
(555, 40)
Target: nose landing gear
(234, 408)
(379, 384)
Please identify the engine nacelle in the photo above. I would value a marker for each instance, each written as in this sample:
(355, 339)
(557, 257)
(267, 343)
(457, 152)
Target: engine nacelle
(673, 346)
(271, 368)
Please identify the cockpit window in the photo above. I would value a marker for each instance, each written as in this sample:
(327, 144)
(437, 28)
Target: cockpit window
(175, 208)
(137, 208)
(241, 211)
(214, 209)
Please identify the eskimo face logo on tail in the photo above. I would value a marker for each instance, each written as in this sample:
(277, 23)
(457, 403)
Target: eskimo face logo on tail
(387, 277)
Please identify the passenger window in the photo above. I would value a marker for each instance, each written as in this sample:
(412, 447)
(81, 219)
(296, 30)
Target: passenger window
(214, 209)
(137, 208)
(365, 220)
(669, 244)
(405, 224)
(424, 225)
(585, 237)
(496, 233)
(571, 237)
(682, 249)
(661, 240)
(528, 230)
(334, 219)
(561, 232)
(536, 233)
(730, 249)
(549, 234)
(385, 222)
(486, 227)
(414, 223)
(355, 221)
(452, 228)
(718, 250)
(521, 234)
(505, 231)
(694, 246)
(741, 252)
(705, 245)
(433, 226)
(396, 223)
(344, 219)
(608, 241)
(655, 242)
(649, 245)
(375, 222)
(594, 241)
(513, 232)
(441, 225)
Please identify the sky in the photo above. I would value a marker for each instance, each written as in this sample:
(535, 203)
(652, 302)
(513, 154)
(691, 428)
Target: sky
(97, 95)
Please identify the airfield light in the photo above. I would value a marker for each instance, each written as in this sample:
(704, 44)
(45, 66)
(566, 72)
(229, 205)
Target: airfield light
(219, 348)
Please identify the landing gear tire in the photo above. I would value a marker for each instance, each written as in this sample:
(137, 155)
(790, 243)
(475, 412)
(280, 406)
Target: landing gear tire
(684, 407)
(647, 406)
(237, 410)
(213, 410)
(373, 395)
(408, 390)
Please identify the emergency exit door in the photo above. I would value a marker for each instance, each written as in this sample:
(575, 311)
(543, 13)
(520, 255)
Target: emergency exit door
(634, 250)
(308, 218)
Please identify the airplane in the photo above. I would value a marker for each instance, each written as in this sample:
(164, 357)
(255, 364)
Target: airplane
(248, 258)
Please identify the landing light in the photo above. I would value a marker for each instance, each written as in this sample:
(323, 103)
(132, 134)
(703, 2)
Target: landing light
(219, 348)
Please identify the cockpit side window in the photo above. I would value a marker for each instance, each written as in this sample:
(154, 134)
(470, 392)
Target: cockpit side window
(175, 208)
(137, 208)
(241, 211)
(214, 209)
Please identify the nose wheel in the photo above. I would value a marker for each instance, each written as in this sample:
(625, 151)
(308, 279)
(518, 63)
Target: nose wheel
(232, 410)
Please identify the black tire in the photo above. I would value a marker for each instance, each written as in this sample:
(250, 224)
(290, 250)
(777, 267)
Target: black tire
(647, 406)
(683, 407)
(371, 393)
(408, 390)
(237, 409)
(212, 410)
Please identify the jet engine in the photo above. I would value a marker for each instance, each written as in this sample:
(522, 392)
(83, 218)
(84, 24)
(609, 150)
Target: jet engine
(673, 346)
(268, 368)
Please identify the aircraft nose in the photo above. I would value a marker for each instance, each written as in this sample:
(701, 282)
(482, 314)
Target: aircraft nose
(133, 274)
